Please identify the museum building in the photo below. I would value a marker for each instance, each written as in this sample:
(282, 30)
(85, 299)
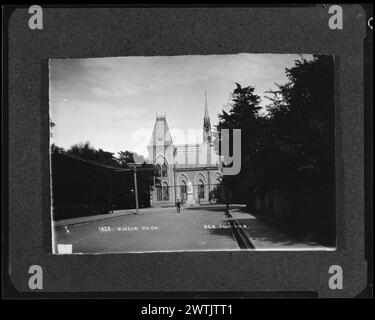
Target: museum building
(191, 173)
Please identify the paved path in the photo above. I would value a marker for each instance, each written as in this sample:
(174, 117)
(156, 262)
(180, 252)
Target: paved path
(79, 220)
(160, 229)
(265, 236)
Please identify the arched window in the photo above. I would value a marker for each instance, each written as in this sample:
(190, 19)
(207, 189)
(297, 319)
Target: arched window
(183, 189)
(158, 170)
(165, 191)
(164, 170)
(200, 189)
(218, 188)
(159, 195)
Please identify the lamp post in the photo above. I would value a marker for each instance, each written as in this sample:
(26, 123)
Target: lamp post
(209, 185)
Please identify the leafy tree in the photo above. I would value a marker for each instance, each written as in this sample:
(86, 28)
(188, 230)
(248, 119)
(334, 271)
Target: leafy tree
(106, 157)
(302, 121)
(89, 185)
(125, 157)
(242, 113)
(301, 136)
(84, 150)
(55, 149)
(292, 146)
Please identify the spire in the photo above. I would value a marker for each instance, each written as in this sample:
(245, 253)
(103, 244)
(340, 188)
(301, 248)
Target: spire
(206, 122)
(206, 116)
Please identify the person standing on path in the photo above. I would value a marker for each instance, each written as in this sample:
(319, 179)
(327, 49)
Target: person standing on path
(178, 205)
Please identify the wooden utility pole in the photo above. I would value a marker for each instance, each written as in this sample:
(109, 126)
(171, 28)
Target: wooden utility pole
(136, 189)
(134, 166)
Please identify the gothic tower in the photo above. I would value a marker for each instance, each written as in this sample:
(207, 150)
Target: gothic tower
(161, 153)
(207, 135)
(160, 148)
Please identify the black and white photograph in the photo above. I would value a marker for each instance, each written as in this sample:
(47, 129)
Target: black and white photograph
(192, 153)
(187, 158)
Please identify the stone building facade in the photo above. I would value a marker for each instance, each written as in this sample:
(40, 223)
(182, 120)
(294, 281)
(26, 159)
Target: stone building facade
(179, 165)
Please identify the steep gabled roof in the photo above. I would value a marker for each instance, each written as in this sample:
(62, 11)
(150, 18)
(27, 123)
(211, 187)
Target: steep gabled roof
(161, 135)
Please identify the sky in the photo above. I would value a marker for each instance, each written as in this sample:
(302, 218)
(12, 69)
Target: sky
(113, 102)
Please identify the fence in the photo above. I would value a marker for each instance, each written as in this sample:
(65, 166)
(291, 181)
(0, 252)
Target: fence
(310, 209)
